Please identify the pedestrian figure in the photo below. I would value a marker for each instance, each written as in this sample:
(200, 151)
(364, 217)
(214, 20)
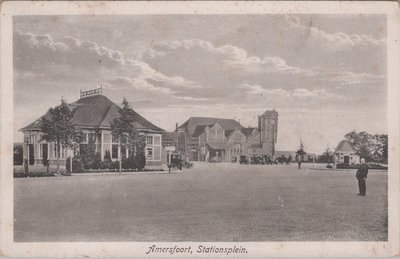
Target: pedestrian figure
(361, 176)
(299, 165)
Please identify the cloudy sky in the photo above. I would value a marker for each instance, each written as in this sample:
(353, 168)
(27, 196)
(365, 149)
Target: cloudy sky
(324, 74)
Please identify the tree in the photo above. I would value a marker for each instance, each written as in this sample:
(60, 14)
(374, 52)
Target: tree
(123, 130)
(57, 127)
(326, 157)
(380, 149)
(87, 152)
(371, 147)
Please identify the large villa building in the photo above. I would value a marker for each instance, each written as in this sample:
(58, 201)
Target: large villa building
(93, 113)
(226, 140)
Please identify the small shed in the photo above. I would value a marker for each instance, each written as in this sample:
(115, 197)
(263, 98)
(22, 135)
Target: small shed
(345, 153)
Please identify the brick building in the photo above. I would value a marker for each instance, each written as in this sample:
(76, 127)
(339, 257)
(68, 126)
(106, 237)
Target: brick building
(225, 140)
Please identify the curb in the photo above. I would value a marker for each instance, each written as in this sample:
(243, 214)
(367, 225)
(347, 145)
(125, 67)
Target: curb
(127, 173)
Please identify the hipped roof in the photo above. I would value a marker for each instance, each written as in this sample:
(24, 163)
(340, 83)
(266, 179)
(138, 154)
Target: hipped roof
(345, 147)
(96, 111)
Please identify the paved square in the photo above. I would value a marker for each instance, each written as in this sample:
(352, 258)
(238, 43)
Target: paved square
(210, 202)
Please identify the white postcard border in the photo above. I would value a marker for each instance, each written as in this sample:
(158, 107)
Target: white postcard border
(138, 249)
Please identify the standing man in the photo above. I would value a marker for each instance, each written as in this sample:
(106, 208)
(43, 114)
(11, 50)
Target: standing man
(361, 176)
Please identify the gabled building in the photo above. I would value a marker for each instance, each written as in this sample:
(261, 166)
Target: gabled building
(188, 140)
(93, 113)
(217, 139)
(345, 153)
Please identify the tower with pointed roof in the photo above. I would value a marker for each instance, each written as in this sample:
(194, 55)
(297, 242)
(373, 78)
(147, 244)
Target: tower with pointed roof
(268, 127)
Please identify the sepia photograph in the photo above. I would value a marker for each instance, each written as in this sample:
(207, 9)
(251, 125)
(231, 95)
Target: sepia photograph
(183, 130)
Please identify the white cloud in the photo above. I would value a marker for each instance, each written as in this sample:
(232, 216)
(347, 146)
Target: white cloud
(72, 57)
(230, 56)
(298, 92)
(259, 90)
(351, 78)
(339, 39)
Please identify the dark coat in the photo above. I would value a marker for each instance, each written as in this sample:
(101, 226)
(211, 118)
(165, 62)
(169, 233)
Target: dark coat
(362, 172)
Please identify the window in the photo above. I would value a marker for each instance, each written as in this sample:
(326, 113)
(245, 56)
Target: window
(149, 140)
(237, 150)
(153, 147)
(114, 152)
(30, 138)
(149, 153)
(157, 148)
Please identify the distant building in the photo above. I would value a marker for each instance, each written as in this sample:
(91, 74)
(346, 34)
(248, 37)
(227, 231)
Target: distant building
(217, 139)
(345, 153)
(93, 113)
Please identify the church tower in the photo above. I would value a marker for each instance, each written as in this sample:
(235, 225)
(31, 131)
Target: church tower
(268, 127)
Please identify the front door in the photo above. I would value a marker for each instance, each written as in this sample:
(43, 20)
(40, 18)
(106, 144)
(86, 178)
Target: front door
(346, 160)
(31, 151)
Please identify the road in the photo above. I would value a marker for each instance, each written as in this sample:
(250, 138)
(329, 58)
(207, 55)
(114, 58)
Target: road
(210, 202)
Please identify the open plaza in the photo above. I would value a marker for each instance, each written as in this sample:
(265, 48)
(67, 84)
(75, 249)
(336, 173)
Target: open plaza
(209, 202)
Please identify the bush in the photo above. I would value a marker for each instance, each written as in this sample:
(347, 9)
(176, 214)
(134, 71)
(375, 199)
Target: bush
(140, 161)
(77, 165)
(96, 162)
(370, 166)
(114, 165)
(20, 175)
(65, 173)
(281, 159)
(87, 153)
(256, 159)
(105, 164)
(129, 163)
(34, 174)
